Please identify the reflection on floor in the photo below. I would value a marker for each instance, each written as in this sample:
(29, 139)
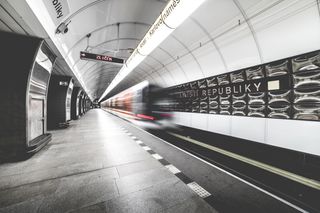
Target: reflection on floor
(93, 166)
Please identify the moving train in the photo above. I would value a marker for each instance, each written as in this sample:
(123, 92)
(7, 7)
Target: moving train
(144, 104)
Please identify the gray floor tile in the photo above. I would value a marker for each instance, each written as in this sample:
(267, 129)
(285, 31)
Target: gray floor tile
(192, 205)
(125, 158)
(136, 167)
(28, 206)
(93, 166)
(142, 180)
(50, 173)
(158, 198)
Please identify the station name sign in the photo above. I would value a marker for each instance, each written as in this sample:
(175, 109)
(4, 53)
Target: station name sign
(168, 10)
(97, 57)
(57, 9)
(238, 88)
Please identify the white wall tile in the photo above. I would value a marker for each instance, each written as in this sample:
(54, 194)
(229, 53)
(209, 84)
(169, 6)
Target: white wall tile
(293, 134)
(184, 118)
(248, 128)
(219, 124)
(199, 121)
(291, 32)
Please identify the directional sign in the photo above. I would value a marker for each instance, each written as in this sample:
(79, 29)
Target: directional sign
(97, 57)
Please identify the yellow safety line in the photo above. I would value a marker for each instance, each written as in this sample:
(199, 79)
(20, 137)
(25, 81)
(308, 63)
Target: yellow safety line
(300, 179)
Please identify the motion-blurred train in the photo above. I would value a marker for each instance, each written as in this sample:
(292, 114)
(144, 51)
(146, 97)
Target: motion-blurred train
(144, 104)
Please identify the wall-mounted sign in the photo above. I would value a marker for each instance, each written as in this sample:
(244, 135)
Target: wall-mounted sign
(285, 89)
(97, 57)
(57, 9)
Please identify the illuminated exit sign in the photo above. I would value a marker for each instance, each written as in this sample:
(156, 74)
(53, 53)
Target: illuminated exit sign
(97, 57)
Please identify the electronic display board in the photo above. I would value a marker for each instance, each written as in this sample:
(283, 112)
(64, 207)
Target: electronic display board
(98, 57)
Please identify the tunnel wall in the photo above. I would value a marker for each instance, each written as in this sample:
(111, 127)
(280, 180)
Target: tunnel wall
(297, 89)
(223, 42)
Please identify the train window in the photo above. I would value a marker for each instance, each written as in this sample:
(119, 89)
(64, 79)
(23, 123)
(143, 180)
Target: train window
(144, 98)
(159, 100)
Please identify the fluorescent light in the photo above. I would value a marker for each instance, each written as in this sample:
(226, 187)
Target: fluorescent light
(171, 17)
(135, 59)
(183, 11)
(155, 39)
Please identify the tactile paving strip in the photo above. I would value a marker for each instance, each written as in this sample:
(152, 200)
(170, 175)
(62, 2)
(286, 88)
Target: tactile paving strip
(190, 183)
(199, 190)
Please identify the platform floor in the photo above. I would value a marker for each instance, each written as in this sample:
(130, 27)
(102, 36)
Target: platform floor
(95, 166)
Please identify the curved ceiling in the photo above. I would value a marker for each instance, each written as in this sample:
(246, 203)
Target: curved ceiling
(110, 27)
(220, 36)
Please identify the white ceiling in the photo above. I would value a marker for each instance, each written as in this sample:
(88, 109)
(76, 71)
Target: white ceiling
(220, 36)
(223, 36)
(116, 27)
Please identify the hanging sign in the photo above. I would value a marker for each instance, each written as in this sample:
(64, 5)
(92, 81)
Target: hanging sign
(97, 57)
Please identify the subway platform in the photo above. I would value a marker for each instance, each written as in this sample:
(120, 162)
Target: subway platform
(96, 165)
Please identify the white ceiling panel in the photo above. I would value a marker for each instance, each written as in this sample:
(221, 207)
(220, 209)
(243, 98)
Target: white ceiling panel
(108, 33)
(211, 61)
(163, 77)
(288, 29)
(255, 8)
(178, 73)
(154, 62)
(79, 46)
(159, 80)
(173, 47)
(247, 5)
(214, 14)
(191, 68)
(190, 34)
(109, 46)
(238, 48)
(161, 55)
(75, 5)
(132, 30)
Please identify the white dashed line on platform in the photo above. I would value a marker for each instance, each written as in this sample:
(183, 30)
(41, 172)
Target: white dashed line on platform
(146, 148)
(139, 142)
(173, 169)
(156, 156)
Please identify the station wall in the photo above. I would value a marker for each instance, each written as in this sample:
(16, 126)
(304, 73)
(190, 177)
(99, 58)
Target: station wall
(250, 33)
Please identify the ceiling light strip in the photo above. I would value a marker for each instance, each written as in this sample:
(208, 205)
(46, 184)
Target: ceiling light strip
(173, 15)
